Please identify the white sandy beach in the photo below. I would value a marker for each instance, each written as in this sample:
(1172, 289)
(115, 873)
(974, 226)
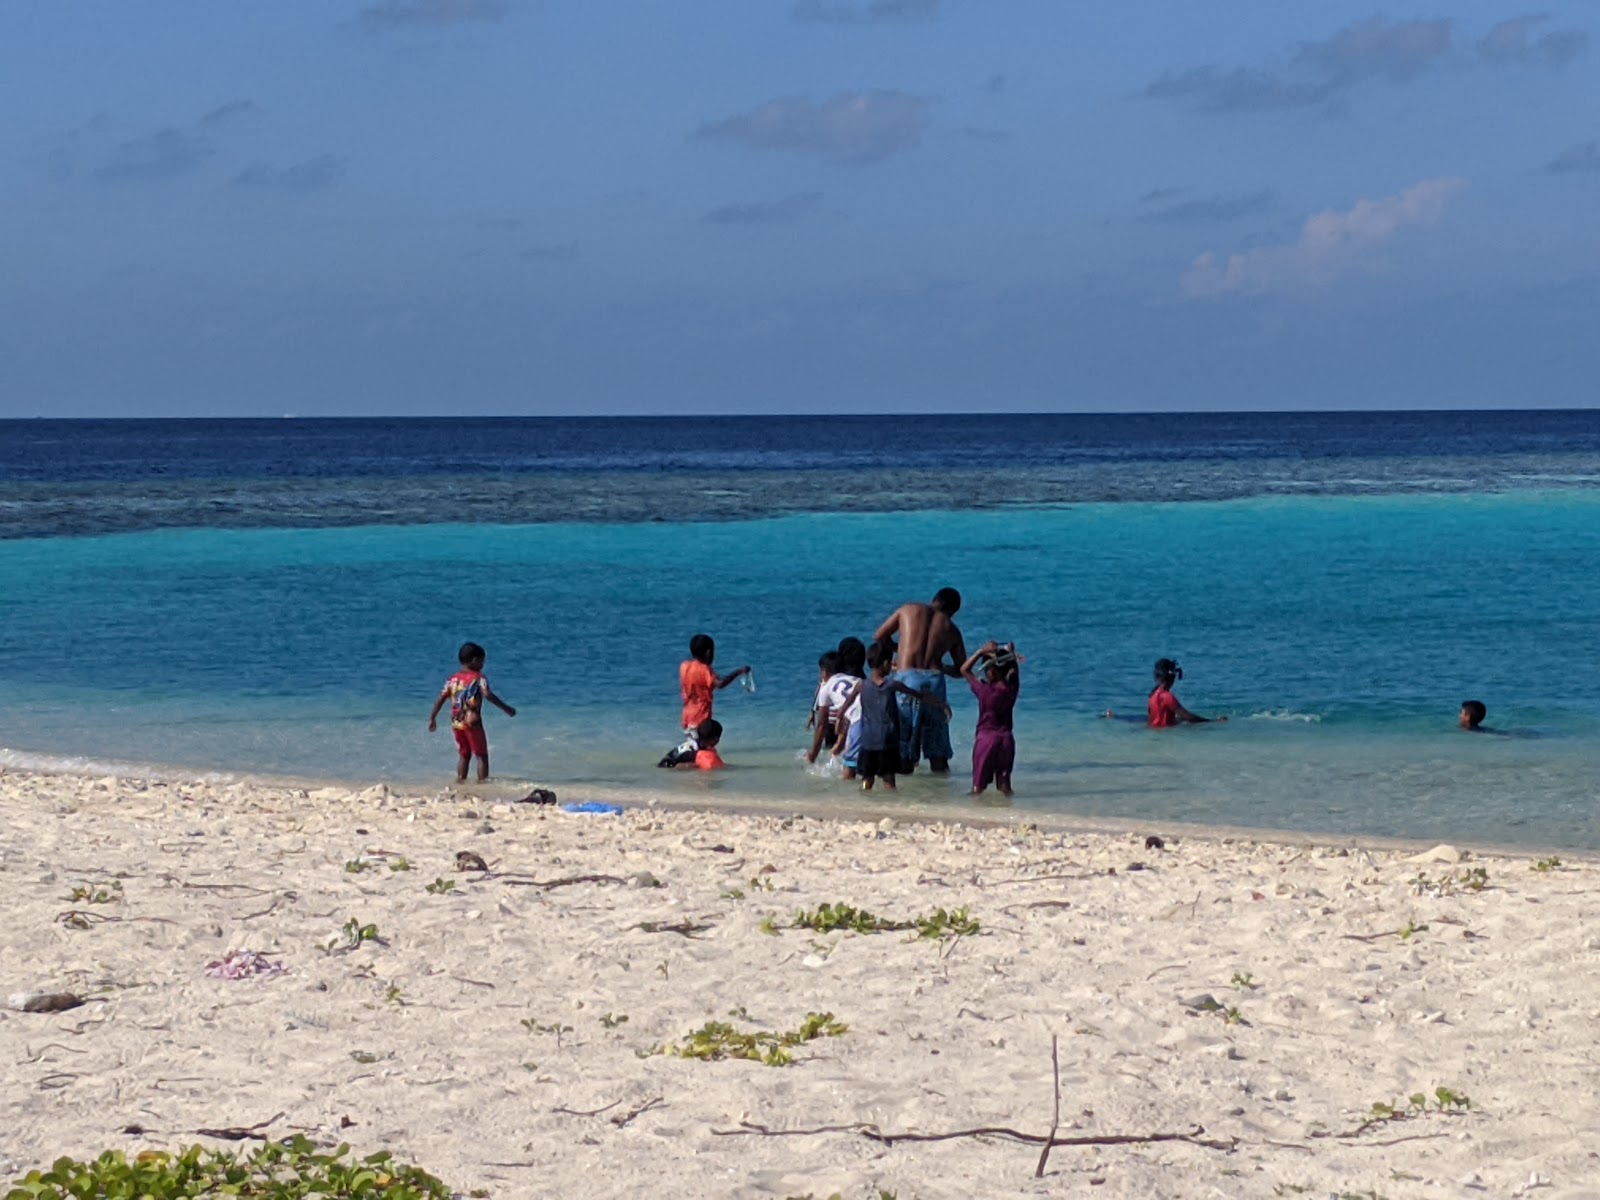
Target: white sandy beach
(500, 1038)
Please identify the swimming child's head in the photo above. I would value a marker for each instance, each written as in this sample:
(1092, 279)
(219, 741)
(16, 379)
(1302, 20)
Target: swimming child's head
(947, 601)
(471, 655)
(852, 655)
(703, 648)
(828, 665)
(1167, 672)
(1472, 714)
(707, 734)
(880, 657)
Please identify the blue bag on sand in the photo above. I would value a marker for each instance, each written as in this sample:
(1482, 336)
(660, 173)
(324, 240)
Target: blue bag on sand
(592, 806)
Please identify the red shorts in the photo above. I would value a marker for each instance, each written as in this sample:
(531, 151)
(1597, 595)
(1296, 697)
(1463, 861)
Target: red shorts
(472, 741)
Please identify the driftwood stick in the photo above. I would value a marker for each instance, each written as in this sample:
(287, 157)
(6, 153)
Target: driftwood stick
(1055, 1119)
(592, 1112)
(622, 1120)
(873, 1133)
(547, 884)
(240, 1133)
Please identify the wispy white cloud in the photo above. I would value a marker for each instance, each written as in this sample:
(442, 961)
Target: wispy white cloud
(1330, 243)
(851, 127)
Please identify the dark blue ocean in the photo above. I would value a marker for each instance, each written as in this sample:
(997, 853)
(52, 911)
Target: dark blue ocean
(285, 597)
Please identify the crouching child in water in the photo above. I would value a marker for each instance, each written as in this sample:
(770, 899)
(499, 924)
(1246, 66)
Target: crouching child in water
(466, 691)
(879, 723)
(1162, 710)
(697, 750)
(994, 746)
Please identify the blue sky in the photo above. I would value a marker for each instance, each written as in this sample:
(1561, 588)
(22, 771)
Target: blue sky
(545, 206)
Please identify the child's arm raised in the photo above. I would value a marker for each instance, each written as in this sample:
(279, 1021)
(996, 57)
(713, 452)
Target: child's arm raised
(731, 676)
(972, 660)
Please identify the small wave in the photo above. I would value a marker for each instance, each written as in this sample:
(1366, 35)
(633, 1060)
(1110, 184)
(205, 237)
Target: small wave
(1284, 714)
(83, 765)
(823, 768)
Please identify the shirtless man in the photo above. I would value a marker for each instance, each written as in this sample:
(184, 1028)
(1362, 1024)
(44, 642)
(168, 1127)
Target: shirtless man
(928, 637)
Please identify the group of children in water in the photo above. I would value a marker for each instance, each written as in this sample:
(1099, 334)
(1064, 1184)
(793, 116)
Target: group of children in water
(854, 712)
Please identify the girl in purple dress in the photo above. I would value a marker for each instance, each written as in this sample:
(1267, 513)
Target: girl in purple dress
(994, 748)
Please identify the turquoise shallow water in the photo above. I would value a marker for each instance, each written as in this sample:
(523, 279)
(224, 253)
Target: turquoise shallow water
(1339, 632)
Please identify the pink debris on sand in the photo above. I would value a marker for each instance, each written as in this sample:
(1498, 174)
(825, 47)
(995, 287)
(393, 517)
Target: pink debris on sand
(244, 964)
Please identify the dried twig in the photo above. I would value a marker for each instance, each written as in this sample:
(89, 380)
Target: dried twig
(241, 1133)
(1039, 878)
(1038, 904)
(77, 918)
(1055, 1120)
(689, 929)
(578, 1112)
(40, 1053)
(221, 887)
(529, 881)
(622, 1120)
(873, 1133)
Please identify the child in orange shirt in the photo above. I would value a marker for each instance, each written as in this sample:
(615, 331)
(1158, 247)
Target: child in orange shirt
(699, 683)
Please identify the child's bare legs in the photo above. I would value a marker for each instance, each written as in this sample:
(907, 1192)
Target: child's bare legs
(462, 764)
(1005, 758)
(483, 768)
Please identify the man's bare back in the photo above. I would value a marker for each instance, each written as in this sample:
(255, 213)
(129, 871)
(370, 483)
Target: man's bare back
(927, 634)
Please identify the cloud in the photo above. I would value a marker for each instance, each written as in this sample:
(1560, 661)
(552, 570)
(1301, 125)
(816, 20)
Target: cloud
(1204, 208)
(851, 127)
(767, 212)
(1314, 74)
(388, 15)
(1237, 89)
(1398, 51)
(852, 12)
(1156, 195)
(163, 154)
(1330, 243)
(1509, 42)
(314, 174)
(556, 252)
(1579, 159)
(227, 112)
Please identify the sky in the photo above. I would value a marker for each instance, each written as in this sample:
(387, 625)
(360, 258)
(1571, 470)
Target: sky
(363, 207)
